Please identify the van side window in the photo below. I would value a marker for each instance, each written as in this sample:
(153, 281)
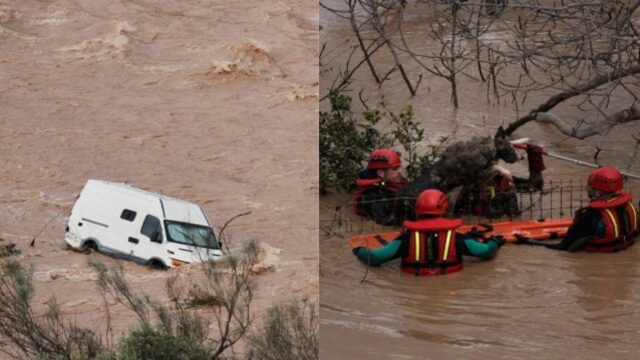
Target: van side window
(128, 215)
(151, 228)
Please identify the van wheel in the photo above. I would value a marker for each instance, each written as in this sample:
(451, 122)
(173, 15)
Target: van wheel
(90, 246)
(157, 264)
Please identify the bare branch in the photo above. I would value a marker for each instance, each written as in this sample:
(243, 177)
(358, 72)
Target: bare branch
(620, 117)
(578, 90)
(229, 221)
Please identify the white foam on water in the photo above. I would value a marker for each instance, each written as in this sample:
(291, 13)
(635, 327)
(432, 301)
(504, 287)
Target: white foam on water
(247, 57)
(111, 43)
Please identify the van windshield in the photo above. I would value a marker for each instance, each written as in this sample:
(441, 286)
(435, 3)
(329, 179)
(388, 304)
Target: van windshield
(191, 234)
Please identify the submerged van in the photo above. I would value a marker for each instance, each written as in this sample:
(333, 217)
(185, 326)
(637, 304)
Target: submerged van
(146, 227)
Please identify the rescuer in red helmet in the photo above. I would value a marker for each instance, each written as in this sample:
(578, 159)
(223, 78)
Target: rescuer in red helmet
(377, 187)
(430, 245)
(609, 223)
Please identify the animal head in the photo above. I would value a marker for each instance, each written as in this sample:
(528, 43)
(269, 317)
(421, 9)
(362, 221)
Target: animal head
(504, 150)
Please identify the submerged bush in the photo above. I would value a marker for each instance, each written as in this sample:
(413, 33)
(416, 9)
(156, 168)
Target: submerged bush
(200, 298)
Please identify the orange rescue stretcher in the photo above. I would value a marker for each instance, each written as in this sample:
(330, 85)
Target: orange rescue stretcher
(543, 229)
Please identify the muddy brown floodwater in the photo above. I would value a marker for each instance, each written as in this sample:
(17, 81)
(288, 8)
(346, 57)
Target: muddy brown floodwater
(527, 303)
(214, 102)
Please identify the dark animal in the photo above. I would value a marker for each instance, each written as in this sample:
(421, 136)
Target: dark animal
(459, 164)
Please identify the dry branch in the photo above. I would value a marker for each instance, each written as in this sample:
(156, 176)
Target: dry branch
(632, 113)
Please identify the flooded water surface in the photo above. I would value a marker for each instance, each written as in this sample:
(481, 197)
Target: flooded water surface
(526, 302)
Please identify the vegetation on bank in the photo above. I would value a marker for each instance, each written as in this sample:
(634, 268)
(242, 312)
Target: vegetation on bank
(204, 323)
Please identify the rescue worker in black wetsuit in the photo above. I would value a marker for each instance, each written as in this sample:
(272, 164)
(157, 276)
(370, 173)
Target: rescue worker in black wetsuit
(377, 187)
(609, 223)
(430, 245)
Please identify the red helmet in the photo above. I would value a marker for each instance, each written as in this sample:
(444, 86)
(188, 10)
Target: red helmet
(383, 159)
(432, 202)
(606, 178)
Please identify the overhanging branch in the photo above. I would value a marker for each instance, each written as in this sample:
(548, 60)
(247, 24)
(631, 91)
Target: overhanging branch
(629, 114)
(577, 90)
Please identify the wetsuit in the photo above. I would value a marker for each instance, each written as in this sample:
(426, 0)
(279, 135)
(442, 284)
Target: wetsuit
(587, 222)
(376, 199)
(587, 225)
(465, 245)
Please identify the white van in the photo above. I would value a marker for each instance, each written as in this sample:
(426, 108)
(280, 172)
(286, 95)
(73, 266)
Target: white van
(148, 228)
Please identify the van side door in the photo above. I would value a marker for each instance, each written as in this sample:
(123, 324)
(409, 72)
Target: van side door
(126, 233)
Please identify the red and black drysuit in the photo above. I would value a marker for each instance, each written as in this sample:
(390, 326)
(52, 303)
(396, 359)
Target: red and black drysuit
(606, 225)
(376, 199)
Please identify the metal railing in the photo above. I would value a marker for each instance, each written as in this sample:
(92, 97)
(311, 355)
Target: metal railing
(557, 199)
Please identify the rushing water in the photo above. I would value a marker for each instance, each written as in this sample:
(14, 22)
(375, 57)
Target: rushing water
(528, 302)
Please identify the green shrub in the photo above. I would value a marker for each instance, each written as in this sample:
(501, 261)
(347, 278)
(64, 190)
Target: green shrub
(155, 344)
(344, 143)
(289, 333)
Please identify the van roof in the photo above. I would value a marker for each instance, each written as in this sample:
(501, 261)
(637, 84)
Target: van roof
(173, 208)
